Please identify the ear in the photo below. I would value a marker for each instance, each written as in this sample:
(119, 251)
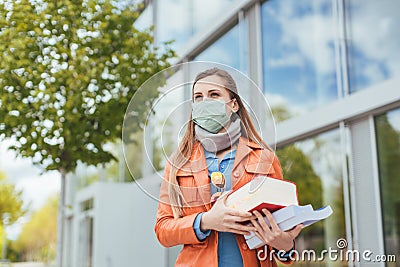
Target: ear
(235, 105)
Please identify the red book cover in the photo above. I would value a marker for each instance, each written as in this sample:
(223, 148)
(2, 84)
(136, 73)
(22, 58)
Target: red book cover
(264, 192)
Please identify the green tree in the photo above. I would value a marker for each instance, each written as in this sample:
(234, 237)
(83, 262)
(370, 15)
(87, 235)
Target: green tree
(38, 243)
(388, 145)
(11, 203)
(280, 113)
(297, 167)
(67, 72)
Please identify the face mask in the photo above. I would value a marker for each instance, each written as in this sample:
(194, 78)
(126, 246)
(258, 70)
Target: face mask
(210, 115)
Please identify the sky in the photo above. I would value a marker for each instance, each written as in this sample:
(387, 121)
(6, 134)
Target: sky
(36, 188)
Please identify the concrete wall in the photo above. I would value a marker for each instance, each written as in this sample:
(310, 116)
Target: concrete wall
(123, 221)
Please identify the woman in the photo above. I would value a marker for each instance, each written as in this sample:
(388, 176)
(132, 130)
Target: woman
(220, 141)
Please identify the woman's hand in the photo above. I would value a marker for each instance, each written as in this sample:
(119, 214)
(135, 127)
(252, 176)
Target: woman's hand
(273, 235)
(224, 219)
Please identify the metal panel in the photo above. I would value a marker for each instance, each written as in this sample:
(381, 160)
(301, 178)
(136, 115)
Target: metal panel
(366, 200)
(369, 101)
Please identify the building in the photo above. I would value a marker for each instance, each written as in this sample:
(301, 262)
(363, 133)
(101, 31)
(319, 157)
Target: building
(331, 73)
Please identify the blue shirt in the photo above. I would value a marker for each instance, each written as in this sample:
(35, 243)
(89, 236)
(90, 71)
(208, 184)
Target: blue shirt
(228, 250)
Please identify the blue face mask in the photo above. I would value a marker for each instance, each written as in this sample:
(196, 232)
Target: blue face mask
(210, 115)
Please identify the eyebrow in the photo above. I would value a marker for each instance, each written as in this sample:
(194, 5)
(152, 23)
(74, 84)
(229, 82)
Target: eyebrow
(211, 90)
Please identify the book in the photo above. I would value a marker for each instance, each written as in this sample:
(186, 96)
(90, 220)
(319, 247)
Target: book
(290, 216)
(263, 192)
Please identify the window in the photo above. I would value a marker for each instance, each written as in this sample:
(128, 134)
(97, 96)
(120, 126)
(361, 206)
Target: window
(298, 54)
(388, 145)
(229, 49)
(87, 204)
(315, 166)
(86, 242)
(145, 20)
(374, 34)
(180, 19)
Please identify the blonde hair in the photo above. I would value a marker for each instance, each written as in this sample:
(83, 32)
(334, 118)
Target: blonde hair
(185, 149)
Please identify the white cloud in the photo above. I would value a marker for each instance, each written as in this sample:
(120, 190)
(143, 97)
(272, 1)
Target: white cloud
(290, 60)
(280, 100)
(179, 19)
(312, 34)
(374, 32)
(394, 119)
(218, 53)
(207, 10)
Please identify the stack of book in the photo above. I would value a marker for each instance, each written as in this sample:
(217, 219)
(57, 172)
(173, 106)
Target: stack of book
(280, 198)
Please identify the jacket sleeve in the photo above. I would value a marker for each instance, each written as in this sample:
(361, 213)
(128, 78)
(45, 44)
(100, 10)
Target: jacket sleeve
(276, 165)
(278, 174)
(172, 231)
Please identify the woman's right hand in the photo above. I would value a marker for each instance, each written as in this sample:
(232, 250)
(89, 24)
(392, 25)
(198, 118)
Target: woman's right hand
(224, 219)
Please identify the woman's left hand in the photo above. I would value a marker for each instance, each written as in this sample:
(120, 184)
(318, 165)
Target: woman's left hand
(273, 235)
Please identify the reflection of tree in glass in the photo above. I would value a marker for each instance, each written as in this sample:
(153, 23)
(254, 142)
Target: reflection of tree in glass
(280, 113)
(388, 142)
(163, 144)
(297, 168)
(134, 155)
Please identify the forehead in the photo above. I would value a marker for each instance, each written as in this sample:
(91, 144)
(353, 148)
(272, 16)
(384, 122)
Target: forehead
(209, 83)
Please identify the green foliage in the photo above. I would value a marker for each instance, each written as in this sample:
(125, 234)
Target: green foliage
(36, 242)
(68, 71)
(388, 142)
(297, 167)
(10, 201)
(280, 113)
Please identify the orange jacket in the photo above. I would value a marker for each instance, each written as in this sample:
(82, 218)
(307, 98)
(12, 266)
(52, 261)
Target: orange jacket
(251, 160)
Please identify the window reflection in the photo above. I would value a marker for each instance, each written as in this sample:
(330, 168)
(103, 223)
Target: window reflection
(315, 166)
(145, 20)
(298, 54)
(374, 34)
(388, 142)
(180, 19)
(229, 49)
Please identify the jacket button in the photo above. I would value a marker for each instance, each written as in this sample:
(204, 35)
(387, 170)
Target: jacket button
(244, 246)
(236, 174)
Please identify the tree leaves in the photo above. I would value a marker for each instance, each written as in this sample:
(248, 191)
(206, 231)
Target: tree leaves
(38, 243)
(10, 201)
(68, 71)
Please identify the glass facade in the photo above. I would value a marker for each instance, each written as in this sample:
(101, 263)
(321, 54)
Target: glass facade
(178, 20)
(374, 42)
(145, 20)
(388, 145)
(299, 71)
(305, 62)
(315, 166)
(229, 49)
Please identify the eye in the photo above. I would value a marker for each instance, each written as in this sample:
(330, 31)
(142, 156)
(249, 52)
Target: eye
(198, 97)
(213, 94)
